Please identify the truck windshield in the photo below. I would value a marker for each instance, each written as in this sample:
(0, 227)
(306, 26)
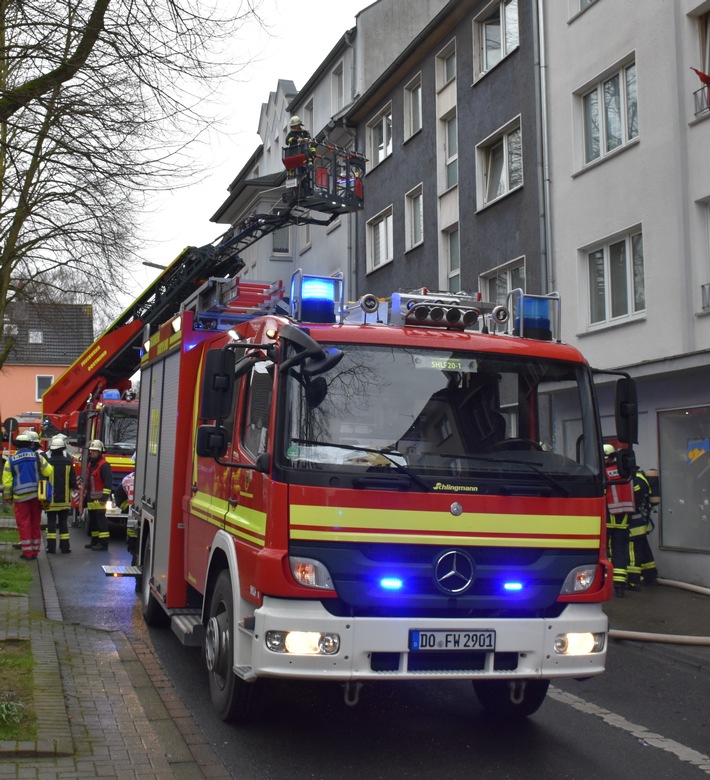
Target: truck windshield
(121, 429)
(437, 414)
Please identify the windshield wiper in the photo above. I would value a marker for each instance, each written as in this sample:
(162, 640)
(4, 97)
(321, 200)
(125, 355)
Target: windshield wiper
(387, 454)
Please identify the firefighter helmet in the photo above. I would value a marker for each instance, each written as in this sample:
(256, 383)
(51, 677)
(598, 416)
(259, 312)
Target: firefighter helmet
(58, 442)
(609, 450)
(22, 438)
(295, 121)
(32, 436)
(97, 445)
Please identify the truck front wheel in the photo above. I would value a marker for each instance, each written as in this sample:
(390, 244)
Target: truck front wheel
(511, 698)
(231, 696)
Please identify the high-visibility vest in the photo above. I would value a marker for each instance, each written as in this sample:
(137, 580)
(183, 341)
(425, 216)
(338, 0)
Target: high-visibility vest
(619, 493)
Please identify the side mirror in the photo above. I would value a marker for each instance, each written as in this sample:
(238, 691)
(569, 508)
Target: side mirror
(626, 411)
(626, 463)
(217, 384)
(212, 441)
(83, 421)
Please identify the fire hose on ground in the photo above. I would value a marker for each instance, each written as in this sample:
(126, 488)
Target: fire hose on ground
(644, 636)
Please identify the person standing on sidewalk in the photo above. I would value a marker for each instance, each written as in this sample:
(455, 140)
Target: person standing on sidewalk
(63, 482)
(99, 483)
(20, 478)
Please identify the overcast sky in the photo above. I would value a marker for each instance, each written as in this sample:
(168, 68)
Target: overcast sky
(300, 36)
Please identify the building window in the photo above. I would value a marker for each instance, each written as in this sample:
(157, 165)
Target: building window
(338, 89)
(451, 141)
(35, 337)
(446, 65)
(308, 115)
(610, 113)
(616, 279)
(701, 89)
(413, 107)
(9, 329)
(496, 34)
(379, 136)
(42, 383)
(305, 236)
(281, 241)
(453, 260)
(501, 162)
(380, 244)
(414, 217)
(496, 284)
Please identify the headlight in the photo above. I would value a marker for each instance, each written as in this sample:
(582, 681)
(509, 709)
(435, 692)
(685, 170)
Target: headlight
(579, 580)
(311, 573)
(579, 644)
(302, 642)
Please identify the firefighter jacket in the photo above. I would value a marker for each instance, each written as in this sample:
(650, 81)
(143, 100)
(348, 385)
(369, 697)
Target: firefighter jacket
(63, 480)
(640, 522)
(21, 474)
(619, 498)
(99, 478)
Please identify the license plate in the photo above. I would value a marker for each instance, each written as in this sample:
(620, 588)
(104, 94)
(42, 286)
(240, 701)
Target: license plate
(483, 641)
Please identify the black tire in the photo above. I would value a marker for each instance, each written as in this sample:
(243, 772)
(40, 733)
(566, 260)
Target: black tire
(231, 696)
(511, 698)
(153, 613)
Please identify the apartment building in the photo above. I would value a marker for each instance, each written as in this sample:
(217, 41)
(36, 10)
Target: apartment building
(628, 124)
(451, 134)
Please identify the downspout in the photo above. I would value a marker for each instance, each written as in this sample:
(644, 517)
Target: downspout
(548, 282)
(351, 271)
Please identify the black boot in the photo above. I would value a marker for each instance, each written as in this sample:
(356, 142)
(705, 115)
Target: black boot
(91, 544)
(619, 591)
(50, 550)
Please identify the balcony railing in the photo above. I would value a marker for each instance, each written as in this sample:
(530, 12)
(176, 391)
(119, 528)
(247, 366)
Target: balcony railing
(702, 99)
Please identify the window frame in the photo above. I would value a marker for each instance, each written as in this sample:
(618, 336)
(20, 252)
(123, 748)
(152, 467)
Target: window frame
(285, 230)
(412, 107)
(501, 138)
(629, 130)
(337, 89)
(505, 270)
(379, 121)
(35, 336)
(411, 219)
(451, 271)
(634, 288)
(481, 24)
(386, 218)
(451, 158)
(443, 58)
(50, 377)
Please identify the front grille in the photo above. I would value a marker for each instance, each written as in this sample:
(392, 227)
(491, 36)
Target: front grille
(442, 662)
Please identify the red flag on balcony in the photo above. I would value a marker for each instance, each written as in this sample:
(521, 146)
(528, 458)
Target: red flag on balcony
(702, 76)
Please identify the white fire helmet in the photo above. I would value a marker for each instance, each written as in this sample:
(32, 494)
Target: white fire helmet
(58, 442)
(295, 121)
(97, 445)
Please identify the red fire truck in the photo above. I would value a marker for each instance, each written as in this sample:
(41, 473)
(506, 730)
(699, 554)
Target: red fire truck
(400, 489)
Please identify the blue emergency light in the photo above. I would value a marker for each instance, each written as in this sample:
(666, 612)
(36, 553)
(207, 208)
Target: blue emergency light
(391, 583)
(513, 587)
(536, 315)
(316, 297)
(112, 394)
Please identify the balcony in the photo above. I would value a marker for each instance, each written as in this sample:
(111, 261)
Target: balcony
(702, 100)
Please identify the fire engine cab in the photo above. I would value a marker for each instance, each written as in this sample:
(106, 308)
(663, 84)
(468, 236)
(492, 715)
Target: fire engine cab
(409, 488)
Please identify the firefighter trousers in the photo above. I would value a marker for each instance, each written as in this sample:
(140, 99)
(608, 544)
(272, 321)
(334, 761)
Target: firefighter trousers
(98, 527)
(28, 516)
(641, 562)
(57, 525)
(618, 540)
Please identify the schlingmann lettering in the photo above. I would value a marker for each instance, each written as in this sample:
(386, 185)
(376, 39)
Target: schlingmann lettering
(456, 488)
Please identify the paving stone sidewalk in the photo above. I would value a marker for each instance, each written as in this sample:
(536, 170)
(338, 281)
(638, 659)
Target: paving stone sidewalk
(104, 707)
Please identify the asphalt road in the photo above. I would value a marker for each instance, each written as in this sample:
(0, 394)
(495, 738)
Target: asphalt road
(646, 716)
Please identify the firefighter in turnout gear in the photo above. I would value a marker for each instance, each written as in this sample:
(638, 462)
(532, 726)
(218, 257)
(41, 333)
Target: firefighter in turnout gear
(63, 482)
(20, 479)
(99, 481)
(619, 505)
(641, 562)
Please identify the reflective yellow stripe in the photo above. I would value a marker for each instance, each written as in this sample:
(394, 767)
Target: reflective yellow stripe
(341, 524)
(245, 523)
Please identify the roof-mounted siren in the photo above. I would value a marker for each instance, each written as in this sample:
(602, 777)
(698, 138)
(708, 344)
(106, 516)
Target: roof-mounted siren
(317, 299)
(434, 311)
(536, 316)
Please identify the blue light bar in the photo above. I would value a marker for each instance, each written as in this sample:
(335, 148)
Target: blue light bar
(391, 583)
(320, 288)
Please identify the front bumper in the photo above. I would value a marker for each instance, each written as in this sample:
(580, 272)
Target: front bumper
(376, 648)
